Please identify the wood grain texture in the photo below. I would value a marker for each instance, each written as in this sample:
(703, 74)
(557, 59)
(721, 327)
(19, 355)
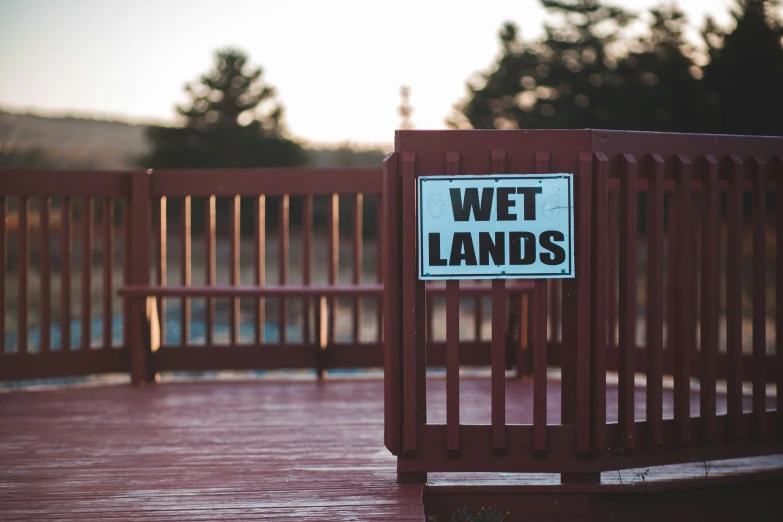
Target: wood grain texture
(263, 450)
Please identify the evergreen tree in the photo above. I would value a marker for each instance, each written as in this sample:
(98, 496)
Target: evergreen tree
(745, 74)
(232, 120)
(587, 73)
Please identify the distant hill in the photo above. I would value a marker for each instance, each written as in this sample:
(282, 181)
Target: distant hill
(70, 142)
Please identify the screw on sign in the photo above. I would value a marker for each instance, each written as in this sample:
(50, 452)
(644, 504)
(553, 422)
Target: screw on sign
(498, 226)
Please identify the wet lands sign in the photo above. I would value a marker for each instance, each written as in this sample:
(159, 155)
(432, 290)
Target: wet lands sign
(511, 226)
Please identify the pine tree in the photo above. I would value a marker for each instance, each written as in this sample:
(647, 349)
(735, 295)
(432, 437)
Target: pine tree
(745, 74)
(232, 120)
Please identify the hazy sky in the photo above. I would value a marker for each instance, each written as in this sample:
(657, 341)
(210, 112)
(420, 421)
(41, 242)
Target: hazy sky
(337, 64)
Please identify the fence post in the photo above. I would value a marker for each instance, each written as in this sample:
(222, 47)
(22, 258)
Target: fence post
(139, 274)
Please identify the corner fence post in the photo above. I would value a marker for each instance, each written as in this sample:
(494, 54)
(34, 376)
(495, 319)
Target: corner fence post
(140, 334)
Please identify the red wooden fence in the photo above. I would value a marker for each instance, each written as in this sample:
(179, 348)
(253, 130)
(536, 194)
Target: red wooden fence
(676, 280)
(143, 237)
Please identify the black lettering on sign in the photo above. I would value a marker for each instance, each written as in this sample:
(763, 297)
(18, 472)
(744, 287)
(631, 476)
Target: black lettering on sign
(462, 250)
(496, 249)
(435, 259)
(481, 209)
(522, 248)
(504, 204)
(556, 254)
(530, 201)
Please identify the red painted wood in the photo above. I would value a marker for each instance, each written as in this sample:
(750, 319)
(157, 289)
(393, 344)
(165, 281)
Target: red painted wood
(161, 232)
(216, 460)
(583, 293)
(759, 193)
(333, 221)
(735, 172)
(498, 340)
(710, 296)
(86, 265)
(65, 276)
(671, 268)
(356, 275)
(684, 304)
(33, 182)
(3, 253)
(259, 259)
(209, 266)
(598, 302)
(283, 264)
(654, 305)
(412, 389)
(452, 342)
(539, 366)
(268, 181)
(612, 268)
(234, 205)
(452, 366)
(307, 262)
(392, 300)
(126, 267)
(364, 290)
(23, 244)
(778, 166)
(185, 268)
(139, 226)
(108, 271)
(46, 278)
(627, 287)
(380, 255)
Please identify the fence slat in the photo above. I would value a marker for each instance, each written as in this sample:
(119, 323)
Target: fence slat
(654, 327)
(684, 327)
(734, 297)
(452, 366)
(333, 221)
(3, 253)
(283, 230)
(598, 302)
(46, 277)
(539, 365)
(259, 270)
(583, 292)
(759, 194)
(555, 307)
(412, 388)
(86, 333)
(710, 297)
(23, 244)
(108, 270)
(234, 206)
(65, 278)
(671, 274)
(452, 341)
(778, 162)
(498, 357)
(161, 231)
(381, 260)
(185, 269)
(392, 299)
(611, 269)
(627, 287)
(307, 262)
(358, 208)
(209, 267)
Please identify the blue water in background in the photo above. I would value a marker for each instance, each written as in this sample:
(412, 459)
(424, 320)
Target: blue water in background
(173, 332)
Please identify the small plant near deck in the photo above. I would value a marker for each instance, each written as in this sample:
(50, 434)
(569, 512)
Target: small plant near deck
(484, 515)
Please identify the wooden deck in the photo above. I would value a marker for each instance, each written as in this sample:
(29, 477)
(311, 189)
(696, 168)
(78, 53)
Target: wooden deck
(276, 449)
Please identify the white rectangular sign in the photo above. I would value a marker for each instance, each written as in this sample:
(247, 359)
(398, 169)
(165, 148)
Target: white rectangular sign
(510, 226)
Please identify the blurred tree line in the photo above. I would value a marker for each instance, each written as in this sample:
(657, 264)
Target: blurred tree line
(590, 71)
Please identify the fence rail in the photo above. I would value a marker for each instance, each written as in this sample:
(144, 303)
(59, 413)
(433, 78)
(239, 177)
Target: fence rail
(677, 276)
